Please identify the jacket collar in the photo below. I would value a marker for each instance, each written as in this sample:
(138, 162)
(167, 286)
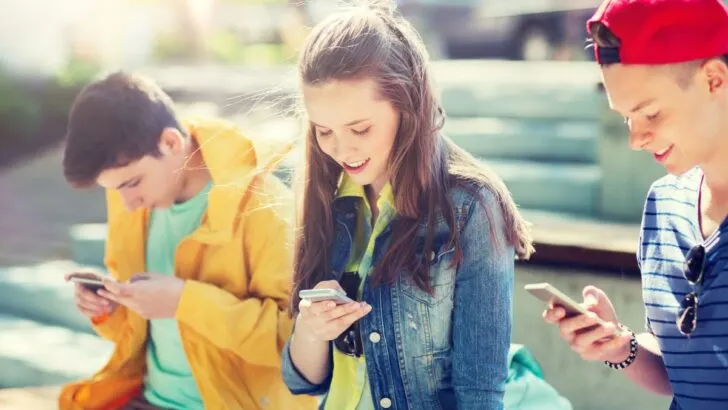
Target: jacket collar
(233, 163)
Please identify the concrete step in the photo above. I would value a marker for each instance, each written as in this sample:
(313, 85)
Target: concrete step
(35, 398)
(553, 187)
(547, 101)
(35, 354)
(87, 243)
(39, 292)
(526, 139)
(514, 89)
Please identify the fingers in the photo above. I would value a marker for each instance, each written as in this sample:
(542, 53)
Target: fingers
(614, 349)
(328, 310)
(554, 314)
(331, 328)
(582, 330)
(326, 321)
(90, 304)
(89, 296)
(117, 298)
(352, 314)
(594, 293)
(117, 289)
(92, 310)
(343, 310)
(584, 341)
(112, 286)
(143, 276)
(308, 308)
(578, 323)
(617, 343)
(587, 335)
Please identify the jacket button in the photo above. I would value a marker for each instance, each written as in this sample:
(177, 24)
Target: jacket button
(375, 337)
(385, 403)
(433, 256)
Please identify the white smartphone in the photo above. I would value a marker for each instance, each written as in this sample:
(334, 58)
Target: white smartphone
(319, 295)
(551, 295)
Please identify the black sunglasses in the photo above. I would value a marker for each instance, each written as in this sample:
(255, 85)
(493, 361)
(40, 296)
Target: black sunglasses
(349, 342)
(693, 271)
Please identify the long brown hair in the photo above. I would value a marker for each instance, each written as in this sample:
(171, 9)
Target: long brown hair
(373, 41)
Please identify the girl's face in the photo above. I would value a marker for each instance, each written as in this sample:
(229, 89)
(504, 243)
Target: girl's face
(354, 126)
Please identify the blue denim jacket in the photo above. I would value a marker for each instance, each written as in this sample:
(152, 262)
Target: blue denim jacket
(448, 350)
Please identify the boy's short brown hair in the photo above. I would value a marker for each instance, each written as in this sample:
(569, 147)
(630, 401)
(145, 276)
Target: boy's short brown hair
(114, 121)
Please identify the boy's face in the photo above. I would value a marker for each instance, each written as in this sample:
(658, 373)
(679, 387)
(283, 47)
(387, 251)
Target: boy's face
(676, 112)
(150, 182)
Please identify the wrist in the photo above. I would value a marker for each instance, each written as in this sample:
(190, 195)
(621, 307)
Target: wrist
(626, 355)
(619, 355)
(303, 334)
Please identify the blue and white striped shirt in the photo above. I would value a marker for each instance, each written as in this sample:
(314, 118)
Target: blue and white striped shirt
(697, 366)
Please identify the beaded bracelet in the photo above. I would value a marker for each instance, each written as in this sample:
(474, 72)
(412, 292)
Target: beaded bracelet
(632, 352)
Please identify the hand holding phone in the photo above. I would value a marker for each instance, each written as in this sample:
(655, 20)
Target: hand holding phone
(553, 297)
(90, 281)
(87, 299)
(591, 329)
(325, 312)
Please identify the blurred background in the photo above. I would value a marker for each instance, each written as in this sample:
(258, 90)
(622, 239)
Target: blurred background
(520, 90)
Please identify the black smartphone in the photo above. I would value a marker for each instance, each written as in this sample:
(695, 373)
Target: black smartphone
(90, 281)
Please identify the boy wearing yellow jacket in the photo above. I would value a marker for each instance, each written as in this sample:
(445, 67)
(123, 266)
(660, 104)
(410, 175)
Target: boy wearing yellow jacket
(198, 251)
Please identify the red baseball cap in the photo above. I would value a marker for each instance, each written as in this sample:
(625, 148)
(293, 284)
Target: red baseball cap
(662, 31)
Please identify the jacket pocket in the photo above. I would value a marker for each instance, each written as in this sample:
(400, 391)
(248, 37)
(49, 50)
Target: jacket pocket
(442, 278)
(433, 372)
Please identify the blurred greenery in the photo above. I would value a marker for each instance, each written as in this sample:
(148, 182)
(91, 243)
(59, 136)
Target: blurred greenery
(33, 111)
(224, 47)
(78, 71)
(170, 47)
(18, 108)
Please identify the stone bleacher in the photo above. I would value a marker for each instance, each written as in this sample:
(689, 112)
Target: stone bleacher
(43, 339)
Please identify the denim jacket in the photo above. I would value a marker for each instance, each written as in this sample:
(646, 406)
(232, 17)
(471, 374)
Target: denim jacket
(448, 350)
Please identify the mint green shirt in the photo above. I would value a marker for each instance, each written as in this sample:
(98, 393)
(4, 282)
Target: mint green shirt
(169, 382)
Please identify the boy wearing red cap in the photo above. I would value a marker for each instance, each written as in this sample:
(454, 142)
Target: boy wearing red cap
(664, 68)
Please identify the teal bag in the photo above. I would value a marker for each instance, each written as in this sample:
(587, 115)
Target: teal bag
(526, 388)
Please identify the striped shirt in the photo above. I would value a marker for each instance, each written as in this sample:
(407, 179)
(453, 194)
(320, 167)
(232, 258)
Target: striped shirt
(697, 366)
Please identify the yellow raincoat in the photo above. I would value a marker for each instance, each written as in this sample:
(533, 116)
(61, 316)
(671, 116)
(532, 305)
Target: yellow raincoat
(232, 315)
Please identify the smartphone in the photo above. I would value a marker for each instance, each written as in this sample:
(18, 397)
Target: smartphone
(319, 295)
(551, 295)
(90, 281)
